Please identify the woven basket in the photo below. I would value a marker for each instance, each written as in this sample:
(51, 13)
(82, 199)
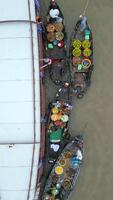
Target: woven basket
(86, 44)
(50, 28)
(76, 60)
(76, 43)
(87, 52)
(59, 27)
(76, 52)
(51, 37)
(59, 36)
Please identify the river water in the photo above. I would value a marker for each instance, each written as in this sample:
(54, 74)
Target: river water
(93, 115)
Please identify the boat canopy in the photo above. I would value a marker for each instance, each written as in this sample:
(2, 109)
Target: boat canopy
(19, 100)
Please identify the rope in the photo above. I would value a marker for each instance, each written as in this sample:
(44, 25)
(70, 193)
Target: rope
(48, 61)
(86, 7)
(17, 21)
(8, 190)
(21, 166)
(11, 144)
(15, 123)
(13, 38)
(10, 59)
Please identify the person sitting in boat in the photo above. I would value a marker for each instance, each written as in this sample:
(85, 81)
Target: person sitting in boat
(53, 5)
(57, 104)
(55, 12)
(79, 155)
(83, 22)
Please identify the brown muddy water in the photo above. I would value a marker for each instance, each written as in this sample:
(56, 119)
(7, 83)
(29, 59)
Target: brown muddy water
(93, 115)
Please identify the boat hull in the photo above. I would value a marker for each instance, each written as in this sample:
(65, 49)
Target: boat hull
(64, 174)
(55, 43)
(81, 64)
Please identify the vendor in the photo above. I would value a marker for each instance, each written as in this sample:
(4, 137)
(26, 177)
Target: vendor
(83, 22)
(53, 5)
(55, 12)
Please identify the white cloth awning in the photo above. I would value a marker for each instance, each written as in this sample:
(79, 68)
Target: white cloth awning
(17, 105)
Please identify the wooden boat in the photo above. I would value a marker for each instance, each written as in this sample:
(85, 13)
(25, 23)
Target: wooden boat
(55, 42)
(63, 176)
(81, 57)
(57, 128)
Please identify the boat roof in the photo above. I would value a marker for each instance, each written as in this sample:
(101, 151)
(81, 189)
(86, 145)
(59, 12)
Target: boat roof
(19, 100)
